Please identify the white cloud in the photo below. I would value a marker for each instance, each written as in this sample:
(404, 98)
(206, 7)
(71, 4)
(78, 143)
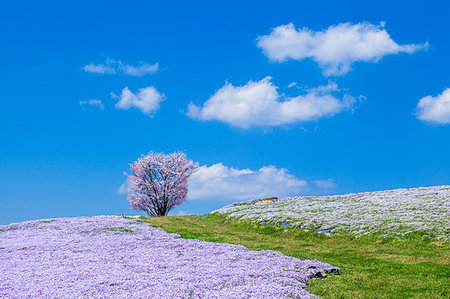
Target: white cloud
(99, 69)
(219, 182)
(334, 49)
(123, 189)
(325, 184)
(260, 104)
(140, 70)
(435, 109)
(146, 99)
(94, 103)
(112, 66)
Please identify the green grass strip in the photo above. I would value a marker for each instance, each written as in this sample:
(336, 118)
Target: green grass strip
(407, 267)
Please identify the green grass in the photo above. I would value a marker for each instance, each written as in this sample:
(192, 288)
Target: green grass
(412, 267)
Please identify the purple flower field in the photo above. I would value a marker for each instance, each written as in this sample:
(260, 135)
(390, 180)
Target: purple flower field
(115, 257)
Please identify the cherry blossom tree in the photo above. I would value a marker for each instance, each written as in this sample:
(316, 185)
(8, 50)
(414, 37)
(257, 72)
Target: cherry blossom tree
(159, 182)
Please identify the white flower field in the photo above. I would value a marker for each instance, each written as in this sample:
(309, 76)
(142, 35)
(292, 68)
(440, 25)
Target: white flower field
(387, 213)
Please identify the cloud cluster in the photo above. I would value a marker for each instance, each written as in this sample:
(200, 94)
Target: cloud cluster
(335, 48)
(435, 109)
(260, 104)
(112, 66)
(147, 99)
(220, 182)
(94, 103)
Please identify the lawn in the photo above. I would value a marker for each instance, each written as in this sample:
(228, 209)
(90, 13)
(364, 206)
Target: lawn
(371, 267)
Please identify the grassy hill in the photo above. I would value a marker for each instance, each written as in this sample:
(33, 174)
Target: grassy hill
(400, 212)
(371, 267)
(388, 244)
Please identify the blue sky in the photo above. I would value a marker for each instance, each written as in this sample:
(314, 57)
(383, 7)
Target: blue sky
(350, 97)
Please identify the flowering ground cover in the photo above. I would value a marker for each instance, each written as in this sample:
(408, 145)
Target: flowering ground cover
(371, 267)
(117, 257)
(400, 212)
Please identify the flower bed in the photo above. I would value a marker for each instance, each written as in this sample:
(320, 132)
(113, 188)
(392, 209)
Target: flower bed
(114, 257)
(384, 213)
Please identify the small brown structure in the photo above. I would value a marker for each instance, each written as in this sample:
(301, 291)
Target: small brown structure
(266, 200)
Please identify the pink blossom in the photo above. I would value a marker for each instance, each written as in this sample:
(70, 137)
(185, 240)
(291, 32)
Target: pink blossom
(159, 182)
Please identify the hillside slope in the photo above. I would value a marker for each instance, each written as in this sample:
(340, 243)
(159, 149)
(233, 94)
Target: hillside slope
(387, 213)
(115, 257)
(401, 267)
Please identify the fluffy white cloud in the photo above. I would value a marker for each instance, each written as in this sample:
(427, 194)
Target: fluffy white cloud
(94, 103)
(112, 66)
(219, 182)
(435, 109)
(335, 48)
(146, 99)
(260, 104)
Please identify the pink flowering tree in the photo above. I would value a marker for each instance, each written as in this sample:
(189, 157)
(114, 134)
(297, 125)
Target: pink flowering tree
(158, 182)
